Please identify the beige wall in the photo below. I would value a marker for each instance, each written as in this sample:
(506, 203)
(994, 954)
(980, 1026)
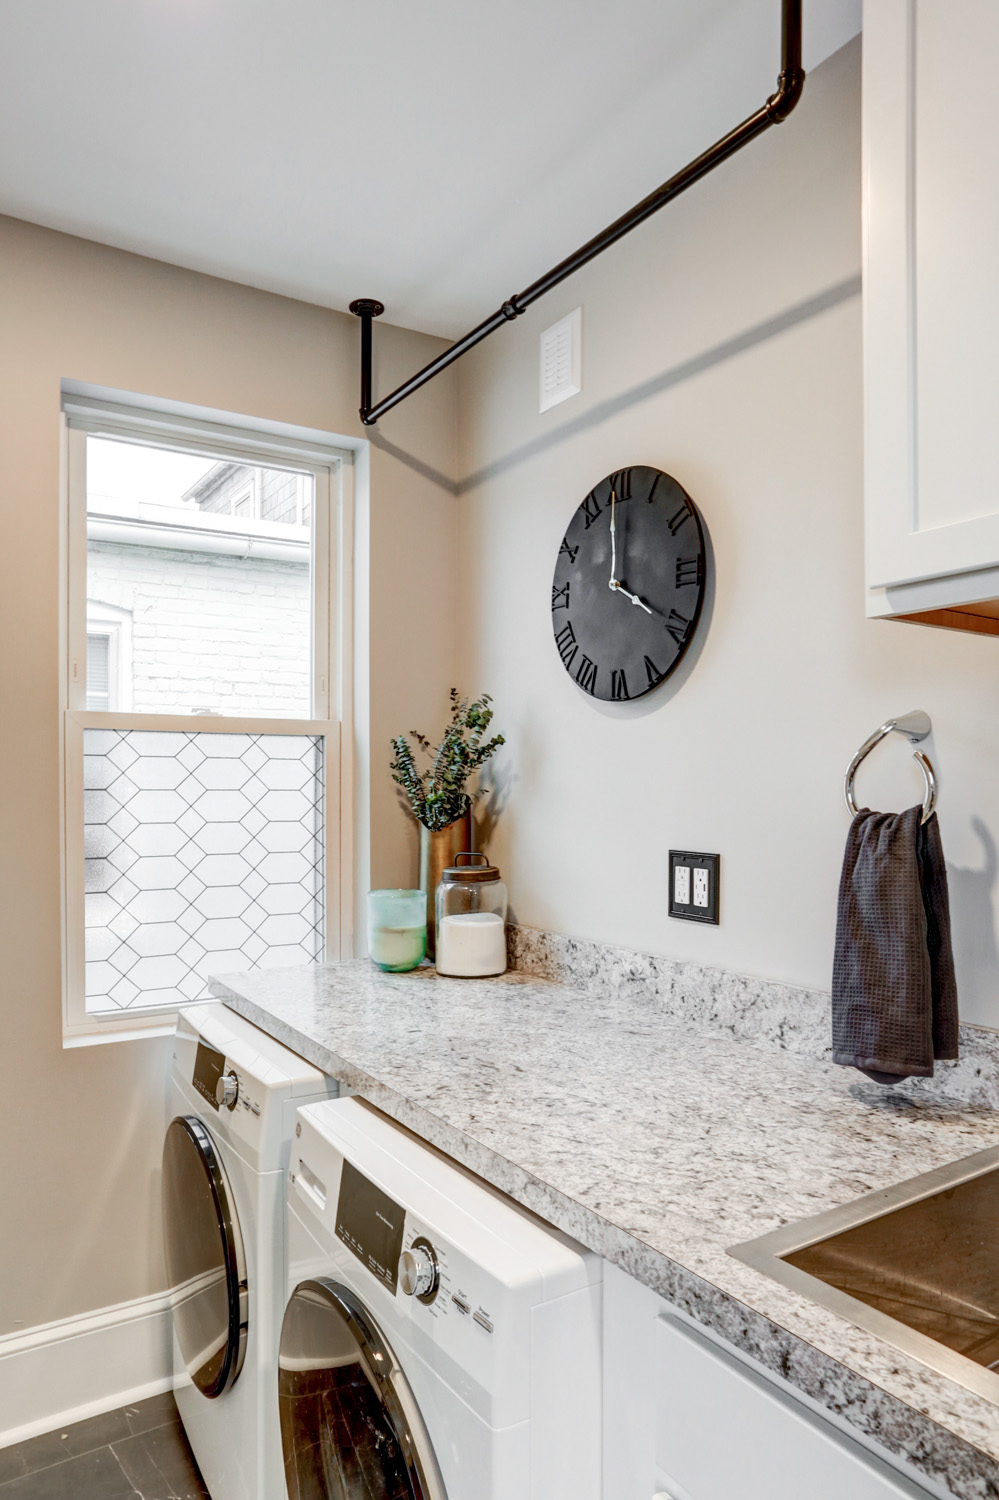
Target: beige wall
(81, 1130)
(722, 343)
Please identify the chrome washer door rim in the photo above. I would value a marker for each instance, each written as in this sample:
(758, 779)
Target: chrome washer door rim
(402, 1418)
(189, 1144)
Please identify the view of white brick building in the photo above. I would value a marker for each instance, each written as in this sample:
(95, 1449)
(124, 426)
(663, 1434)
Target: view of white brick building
(202, 605)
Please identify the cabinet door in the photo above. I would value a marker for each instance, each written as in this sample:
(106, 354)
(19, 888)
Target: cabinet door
(931, 291)
(725, 1433)
(685, 1419)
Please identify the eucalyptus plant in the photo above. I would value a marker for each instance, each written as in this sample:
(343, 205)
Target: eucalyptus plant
(439, 795)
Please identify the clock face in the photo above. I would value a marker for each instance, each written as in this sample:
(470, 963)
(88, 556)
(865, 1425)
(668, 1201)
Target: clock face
(626, 599)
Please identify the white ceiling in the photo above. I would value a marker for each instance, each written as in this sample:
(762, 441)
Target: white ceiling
(438, 155)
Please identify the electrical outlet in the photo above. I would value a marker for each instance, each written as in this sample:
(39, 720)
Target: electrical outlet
(693, 885)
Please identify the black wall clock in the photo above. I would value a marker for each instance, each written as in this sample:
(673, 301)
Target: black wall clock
(628, 585)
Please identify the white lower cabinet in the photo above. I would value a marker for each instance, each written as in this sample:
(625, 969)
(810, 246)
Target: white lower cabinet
(685, 1418)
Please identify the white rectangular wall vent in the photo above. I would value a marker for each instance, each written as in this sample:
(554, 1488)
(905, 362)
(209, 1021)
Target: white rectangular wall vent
(562, 360)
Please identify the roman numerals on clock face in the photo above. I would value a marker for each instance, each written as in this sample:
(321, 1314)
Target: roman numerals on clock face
(566, 643)
(591, 511)
(626, 602)
(586, 676)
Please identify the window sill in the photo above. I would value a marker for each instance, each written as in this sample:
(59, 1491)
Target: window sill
(123, 1028)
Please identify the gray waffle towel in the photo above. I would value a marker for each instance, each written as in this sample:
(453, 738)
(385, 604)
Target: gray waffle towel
(894, 996)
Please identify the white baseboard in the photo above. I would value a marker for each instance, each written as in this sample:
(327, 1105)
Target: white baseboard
(79, 1367)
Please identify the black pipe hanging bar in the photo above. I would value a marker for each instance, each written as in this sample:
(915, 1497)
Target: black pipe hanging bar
(790, 83)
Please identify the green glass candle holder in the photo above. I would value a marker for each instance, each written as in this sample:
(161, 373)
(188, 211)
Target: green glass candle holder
(397, 929)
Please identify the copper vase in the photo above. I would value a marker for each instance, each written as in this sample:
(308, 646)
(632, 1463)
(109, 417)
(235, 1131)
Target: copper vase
(438, 847)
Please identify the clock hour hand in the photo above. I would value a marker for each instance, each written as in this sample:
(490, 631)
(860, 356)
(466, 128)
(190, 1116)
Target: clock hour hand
(633, 597)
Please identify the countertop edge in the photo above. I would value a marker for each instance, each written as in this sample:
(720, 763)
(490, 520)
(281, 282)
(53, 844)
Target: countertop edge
(916, 1439)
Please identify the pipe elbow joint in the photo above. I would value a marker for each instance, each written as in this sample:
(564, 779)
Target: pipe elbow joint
(790, 85)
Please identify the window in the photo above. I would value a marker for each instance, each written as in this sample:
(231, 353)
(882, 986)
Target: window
(99, 671)
(109, 657)
(200, 746)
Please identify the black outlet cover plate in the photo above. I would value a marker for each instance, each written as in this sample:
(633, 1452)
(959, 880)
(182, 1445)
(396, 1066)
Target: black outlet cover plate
(688, 911)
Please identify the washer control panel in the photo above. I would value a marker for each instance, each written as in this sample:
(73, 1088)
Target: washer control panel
(437, 1275)
(419, 1275)
(220, 1082)
(227, 1090)
(209, 1066)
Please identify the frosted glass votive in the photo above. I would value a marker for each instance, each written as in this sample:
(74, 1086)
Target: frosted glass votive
(397, 929)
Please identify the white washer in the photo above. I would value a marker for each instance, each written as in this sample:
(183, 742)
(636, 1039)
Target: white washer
(234, 1094)
(439, 1343)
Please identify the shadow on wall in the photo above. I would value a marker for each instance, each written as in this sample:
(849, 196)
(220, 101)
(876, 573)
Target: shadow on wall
(425, 471)
(492, 805)
(602, 411)
(972, 912)
(811, 307)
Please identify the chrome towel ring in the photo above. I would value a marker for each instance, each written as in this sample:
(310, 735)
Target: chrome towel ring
(915, 726)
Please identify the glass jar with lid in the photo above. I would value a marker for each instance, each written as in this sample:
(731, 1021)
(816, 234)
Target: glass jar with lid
(471, 919)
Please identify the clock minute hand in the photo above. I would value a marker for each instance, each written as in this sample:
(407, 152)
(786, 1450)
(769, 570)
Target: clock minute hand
(613, 583)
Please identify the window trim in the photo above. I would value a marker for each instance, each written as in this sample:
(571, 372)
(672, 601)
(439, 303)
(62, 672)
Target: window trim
(332, 606)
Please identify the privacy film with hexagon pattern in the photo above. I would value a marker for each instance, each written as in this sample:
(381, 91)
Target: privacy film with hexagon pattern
(203, 853)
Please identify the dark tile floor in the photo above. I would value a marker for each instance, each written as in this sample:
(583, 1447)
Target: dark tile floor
(138, 1450)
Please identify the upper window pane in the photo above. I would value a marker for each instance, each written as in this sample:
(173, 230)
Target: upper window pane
(205, 567)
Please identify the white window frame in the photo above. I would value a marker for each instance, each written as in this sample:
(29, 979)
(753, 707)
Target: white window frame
(331, 468)
(116, 624)
(300, 504)
(250, 493)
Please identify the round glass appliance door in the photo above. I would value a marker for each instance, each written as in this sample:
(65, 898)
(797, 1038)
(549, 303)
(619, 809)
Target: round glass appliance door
(350, 1426)
(206, 1266)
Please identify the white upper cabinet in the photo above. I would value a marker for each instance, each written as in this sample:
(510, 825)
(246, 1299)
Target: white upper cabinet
(931, 309)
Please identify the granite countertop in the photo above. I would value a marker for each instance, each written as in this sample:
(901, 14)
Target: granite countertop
(658, 1141)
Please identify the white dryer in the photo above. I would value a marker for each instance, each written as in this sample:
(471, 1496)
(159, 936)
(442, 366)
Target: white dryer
(439, 1343)
(234, 1092)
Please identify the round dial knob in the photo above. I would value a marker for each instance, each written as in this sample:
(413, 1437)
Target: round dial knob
(418, 1271)
(227, 1090)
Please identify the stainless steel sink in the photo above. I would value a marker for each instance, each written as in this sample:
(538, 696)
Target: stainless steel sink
(917, 1264)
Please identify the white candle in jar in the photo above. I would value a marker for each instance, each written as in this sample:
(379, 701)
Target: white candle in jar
(471, 945)
(397, 929)
(398, 947)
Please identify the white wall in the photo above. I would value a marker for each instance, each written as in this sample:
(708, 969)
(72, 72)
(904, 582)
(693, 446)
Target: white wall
(722, 343)
(81, 1130)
